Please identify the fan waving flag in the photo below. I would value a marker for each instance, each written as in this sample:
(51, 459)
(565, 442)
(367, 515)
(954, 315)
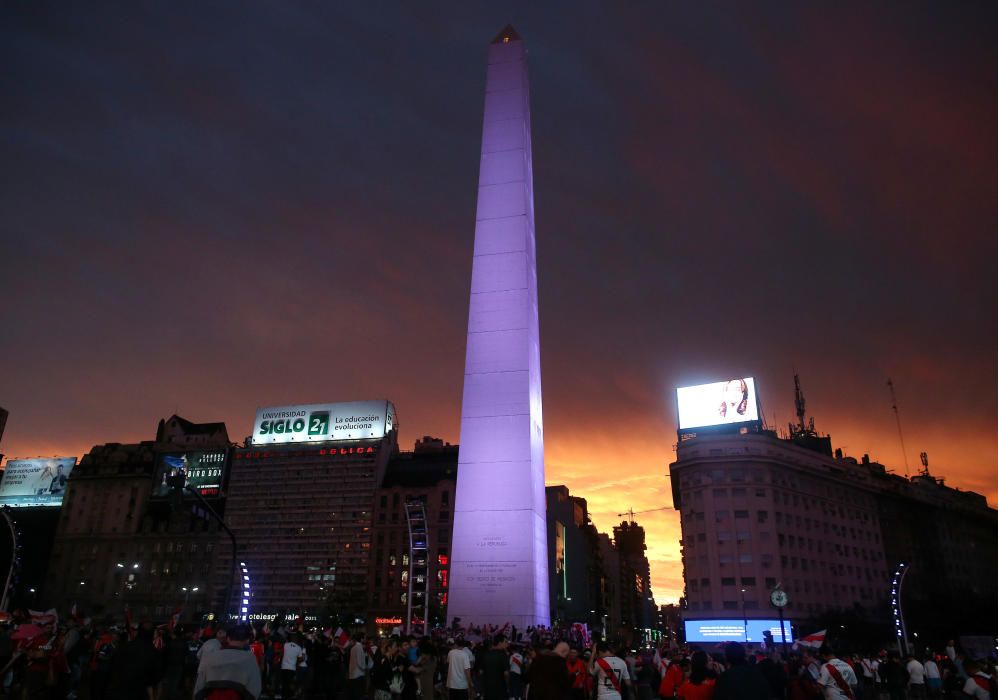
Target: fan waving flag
(813, 641)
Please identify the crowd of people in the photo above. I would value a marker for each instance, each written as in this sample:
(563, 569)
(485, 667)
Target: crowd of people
(76, 659)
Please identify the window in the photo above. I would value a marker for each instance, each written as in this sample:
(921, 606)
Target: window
(731, 605)
(720, 493)
(748, 580)
(728, 581)
(741, 513)
(761, 516)
(770, 582)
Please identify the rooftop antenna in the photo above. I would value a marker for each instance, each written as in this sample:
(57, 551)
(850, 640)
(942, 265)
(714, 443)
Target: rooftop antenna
(894, 405)
(804, 426)
(925, 463)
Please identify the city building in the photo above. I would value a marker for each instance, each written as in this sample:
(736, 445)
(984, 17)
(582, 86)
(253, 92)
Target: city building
(759, 510)
(948, 539)
(421, 482)
(121, 541)
(575, 566)
(610, 590)
(300, 500)
(637, 603)
(499, 563)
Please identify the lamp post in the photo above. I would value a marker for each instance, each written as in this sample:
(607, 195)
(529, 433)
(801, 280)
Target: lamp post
(14, 558)
(744, 617)
(178, 483)
(128, 581)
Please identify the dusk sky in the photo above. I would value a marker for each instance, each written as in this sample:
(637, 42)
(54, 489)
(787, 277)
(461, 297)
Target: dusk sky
(211, 207)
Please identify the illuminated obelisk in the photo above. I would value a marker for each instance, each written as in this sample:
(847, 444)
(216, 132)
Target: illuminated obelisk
(499, 554)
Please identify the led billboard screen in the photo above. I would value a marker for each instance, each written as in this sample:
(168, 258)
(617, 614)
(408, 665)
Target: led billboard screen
(719, 403)
(203, 470)
(734, 630)
(35, 482)
(322, 422)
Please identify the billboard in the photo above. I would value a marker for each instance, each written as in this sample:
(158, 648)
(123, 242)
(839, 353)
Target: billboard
(718, 403)
(322, 422)
(735, 630)
(35, 482)
(203, 470)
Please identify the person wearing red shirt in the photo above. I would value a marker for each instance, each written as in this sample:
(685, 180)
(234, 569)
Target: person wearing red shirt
(256, 646)
(673, 678)
(578, 672)
(700, 684)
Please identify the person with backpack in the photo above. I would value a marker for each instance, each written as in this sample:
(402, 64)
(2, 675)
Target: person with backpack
(230, 673)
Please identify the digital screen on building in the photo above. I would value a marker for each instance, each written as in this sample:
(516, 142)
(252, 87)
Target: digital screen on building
(35, 482)
(323, 422)
(559, 557)
(203, 470)
(734, 630)
(718, 403)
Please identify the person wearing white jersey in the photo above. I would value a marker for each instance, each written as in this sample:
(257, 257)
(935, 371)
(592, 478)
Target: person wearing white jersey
(916, 678)
(933, 678)
(610, 672)
(516, 667)
(836, 677)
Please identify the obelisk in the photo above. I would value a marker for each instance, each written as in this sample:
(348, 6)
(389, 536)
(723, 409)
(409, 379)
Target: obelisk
(499, 554)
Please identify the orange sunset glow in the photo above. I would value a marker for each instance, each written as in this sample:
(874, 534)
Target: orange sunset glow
(281, 210)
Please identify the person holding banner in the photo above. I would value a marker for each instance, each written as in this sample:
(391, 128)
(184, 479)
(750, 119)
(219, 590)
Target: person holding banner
(610, 672)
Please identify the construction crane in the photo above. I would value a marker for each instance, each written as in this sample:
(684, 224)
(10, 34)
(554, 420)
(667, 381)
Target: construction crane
(631, 512)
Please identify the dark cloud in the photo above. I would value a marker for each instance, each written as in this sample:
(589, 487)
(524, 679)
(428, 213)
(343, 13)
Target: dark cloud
(215, 207)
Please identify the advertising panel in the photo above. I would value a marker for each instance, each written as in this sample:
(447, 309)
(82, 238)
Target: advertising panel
(559, 557)
(323, 422)
(35, 482)
(734, 630)
(718, 403)
(203, 470)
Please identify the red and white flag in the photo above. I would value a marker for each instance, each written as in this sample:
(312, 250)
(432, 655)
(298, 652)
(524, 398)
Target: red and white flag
(813, 641)
(175, 618)
(341, 638)
(49, 617)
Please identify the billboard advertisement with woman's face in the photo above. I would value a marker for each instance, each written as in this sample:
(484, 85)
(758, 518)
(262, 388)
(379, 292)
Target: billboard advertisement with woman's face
(718, 403)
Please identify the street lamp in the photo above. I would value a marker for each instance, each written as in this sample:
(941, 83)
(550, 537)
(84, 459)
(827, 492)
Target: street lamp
(744, 616)
(187, 592)
(128, 582)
